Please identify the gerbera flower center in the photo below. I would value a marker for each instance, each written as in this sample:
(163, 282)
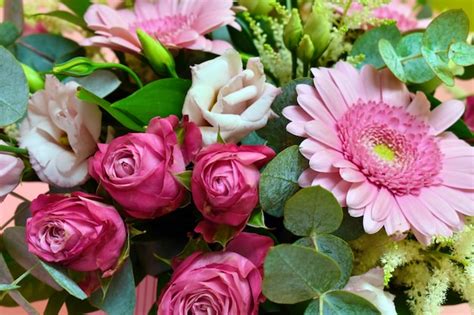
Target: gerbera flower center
(166, 28)
(391, 147)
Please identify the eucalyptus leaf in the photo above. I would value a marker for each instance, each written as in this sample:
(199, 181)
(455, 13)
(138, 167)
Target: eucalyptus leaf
(15, 243)
(294, 274)
(279, 180)
(14, 90)
(8, 34)
(22, 213)
(461, 53)
(311, 211)
(367, 44)
(415, 67)
(351, 228)
(161, 98)
(341, 303)
(121, 297)
(60, 276)
(55, 302)
(391, 59)
(8, 287)
(101, 82)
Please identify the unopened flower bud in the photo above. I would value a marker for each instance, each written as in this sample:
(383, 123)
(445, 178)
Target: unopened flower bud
(293, 31)
(305, 51)
(318, 27)
(77, 67)
(258, 7)
(159, 57)
(34, 79)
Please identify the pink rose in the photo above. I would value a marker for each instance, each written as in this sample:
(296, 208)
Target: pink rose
(225, 181)
(138, 169)
(77, 231)
(469, 113)
(227, 282)
(11, 168)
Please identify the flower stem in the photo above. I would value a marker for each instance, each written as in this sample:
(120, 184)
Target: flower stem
(18, 151)
(123, 68)
(346, 9)
(14, 194)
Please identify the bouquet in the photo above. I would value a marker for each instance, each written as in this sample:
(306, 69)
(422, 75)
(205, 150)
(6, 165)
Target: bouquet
(255, 157)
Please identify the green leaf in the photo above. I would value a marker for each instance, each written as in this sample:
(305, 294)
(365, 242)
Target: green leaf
(22, 213)
(8, 287)
(367, 44)
(275, 130)
(55, 302)
(312, 210)
(341, 303)
(121, 117)
(14, 240)
(391, 59)
(257, 220)
(14, 89)
(294, 274)
(77, 6)
(8, 34)
(184, 179)
(243, 39)
(448, 28)
(351, 228)
(59, 275)
(253, 139)
(42, 51)
(66, 16)
(120, 298)
(193, 245)
(161, 98)
(335, 248)
(279, 180)
(101, 82)
(415, 67)
(461, 53)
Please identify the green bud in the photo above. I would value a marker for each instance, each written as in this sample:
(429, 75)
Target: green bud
(258, 7)
(318, 27)
(34, 79)
(305, 51)
(76, 67)
(159, 57)
(293, 31)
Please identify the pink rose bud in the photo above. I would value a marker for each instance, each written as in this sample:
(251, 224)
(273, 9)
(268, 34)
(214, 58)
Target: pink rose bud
(11, 168)
(138, 170)
(227, 282)
(77, 231)
(225, 181)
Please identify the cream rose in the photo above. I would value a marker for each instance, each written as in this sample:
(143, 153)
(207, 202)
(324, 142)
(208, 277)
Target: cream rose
(225, 97)
(60, 133)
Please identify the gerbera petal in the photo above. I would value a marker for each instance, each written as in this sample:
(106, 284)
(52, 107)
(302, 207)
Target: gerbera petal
(322, 161)
(396, 223)
(370, 225)
(340, 192)
(315, 109)
(382, 205)
(323, 133)
(361, 194)
(348, 81)
(371, 78)
(420, 105)
(309, 147)
(352, 175)
(326, 180)
(306, 178)
(458, 199)
(417, 214)
(445, 115)
(329, 92)
(462, 180)
(439, 207)
(394, 92)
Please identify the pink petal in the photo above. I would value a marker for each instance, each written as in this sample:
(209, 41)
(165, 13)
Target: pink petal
(323, 133)
(439, 207)
(340, 192)
(309, 147)
(371, 226)
(352, 175)
(419, 106)
(396, 223)
(371, 78)
(307, 177)
(458, 199)
(329, 92)
(322, 160)
(356, 213)
(361, 194)
(445, 115)
(460, 164)
(326, 180)
(382, 205)
(348, 81)
(417, 214)
(394, 92)
(461, 180)
(315, 109)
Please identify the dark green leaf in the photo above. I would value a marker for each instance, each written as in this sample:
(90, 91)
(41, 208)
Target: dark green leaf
(312, 210)
(253, 139)
(243, 39)
(14, 240)
(55, 303)
(351, 228)
(160, 98)
(391, 59)
(194, 245)
(60, 276)
(415, 67)
(294, 274)
(77, 6)
(22, 213)
(14, 90)
(121, 117)
(8, 34)
(279, 180)
(367, 44)
(184, 179)
(468, 73)
(341, 303)
(42, 51)
(120, 298)
(275, 131)
(66, 16)
(462, 54)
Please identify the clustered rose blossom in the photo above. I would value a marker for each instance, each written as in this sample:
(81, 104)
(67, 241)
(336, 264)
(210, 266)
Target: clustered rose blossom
(227, 99)
(224, 184)
(138, 169)
(228, 282)
(77, 231)
(60, 133)
(11, 168)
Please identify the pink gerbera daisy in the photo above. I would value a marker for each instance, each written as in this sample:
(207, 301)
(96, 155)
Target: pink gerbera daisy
(383, 153)
(175, 23)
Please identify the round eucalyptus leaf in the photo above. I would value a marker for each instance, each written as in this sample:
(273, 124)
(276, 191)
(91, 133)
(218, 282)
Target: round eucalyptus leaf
(341, 303)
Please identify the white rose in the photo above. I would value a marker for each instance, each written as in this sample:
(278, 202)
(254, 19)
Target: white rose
(60, 133)
(225, 97)
(370, 286)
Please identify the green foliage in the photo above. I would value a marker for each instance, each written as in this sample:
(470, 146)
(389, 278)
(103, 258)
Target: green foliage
(66, 16)
(42, 51)
(461, 54)
(8, 34)
(351, 228)
(312, 211)
(120, 297)
(101, 82)
(79, 7)
(60, 276)
(341, 303)
(257, 219)
(161, 98)
(279, 180)
(294, 274)
(13, 91)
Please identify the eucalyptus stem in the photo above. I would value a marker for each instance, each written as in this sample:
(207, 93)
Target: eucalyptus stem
(18, 151)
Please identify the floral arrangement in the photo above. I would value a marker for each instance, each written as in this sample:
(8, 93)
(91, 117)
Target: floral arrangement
(256, 157)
